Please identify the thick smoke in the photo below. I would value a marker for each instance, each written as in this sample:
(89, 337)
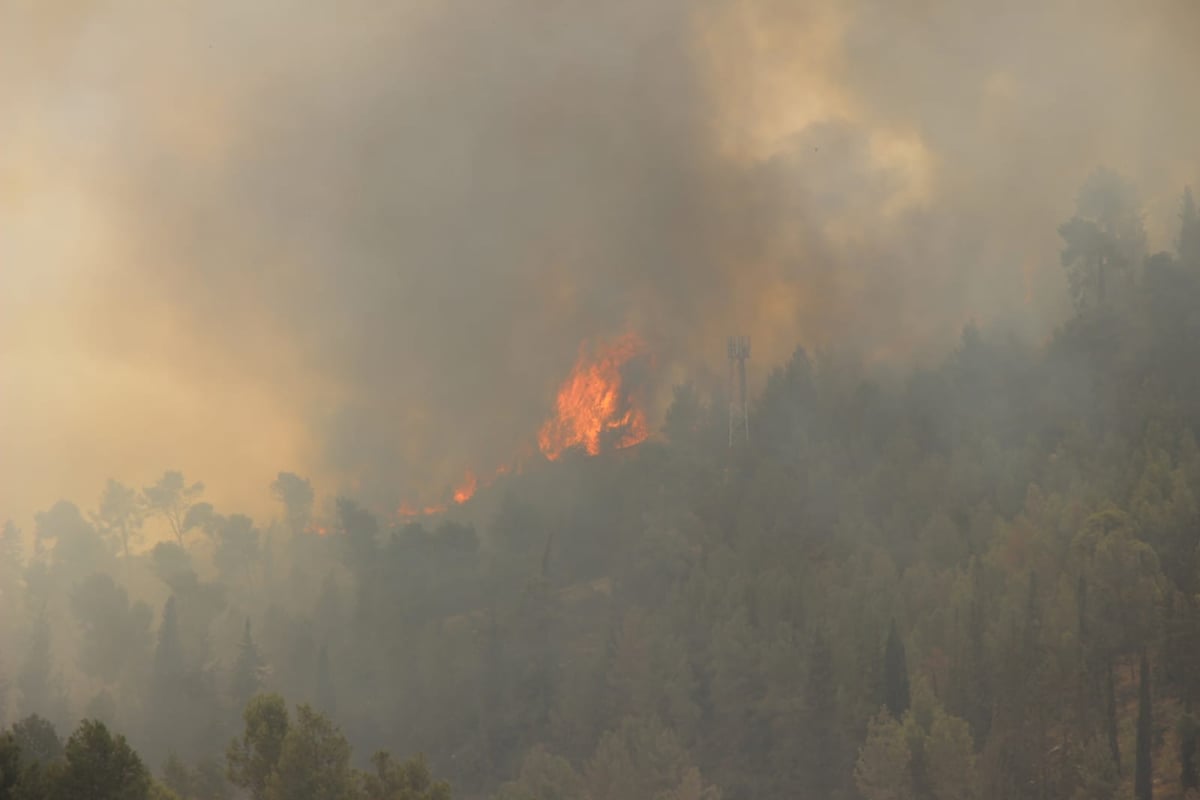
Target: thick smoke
(366, 241)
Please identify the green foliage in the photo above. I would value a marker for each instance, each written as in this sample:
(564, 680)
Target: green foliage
(543, 776)
(120, 515)
(100, 766)
(1143, 777)
(11, 766)
(253, 760)
(895, 674)
(410, 780)
(883, 771)
(114, 633)
(248, 670)
(1188, 245)
(37, 740)
(296, 495)
(1015, 525)
(313, 763)
(171, 498)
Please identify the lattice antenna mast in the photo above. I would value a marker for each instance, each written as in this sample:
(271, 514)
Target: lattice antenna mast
(739, 406)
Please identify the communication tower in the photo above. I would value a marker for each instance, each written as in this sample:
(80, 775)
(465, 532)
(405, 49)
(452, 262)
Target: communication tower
(739, 407)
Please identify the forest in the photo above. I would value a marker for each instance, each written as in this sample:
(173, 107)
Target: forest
(974, 579)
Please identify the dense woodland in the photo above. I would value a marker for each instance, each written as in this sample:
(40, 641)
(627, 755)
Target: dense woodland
(980, 580)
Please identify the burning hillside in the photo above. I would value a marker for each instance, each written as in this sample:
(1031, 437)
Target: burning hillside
(597, 408)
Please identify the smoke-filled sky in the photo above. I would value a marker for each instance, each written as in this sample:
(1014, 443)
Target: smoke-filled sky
(363, 241)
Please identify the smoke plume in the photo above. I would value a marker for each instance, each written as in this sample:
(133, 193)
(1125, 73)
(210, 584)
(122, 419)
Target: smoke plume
(366, 242)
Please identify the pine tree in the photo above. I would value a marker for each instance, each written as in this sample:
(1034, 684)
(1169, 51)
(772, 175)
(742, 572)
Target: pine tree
(167, 712)
(247, 670)
(1189, 233)
(100, 765)
(168, 654)
(976, 664)
(895, 674)
(325, 695)
(1188, 777)
(11, 559)
(34, 681)
(821, 753)
(3, 697)
(1110, 716)
(1143, 779)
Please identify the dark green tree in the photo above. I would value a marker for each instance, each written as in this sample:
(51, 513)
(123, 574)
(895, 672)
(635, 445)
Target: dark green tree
(11, 767)
(314, 761)
(177, 777)
(251, 761)
(114, 632)
(247, 678)
(37, 740)
(821, 754)
(895, 674)
(1104, 242)
(326, 697)
(100, 766)
(296, 494)
(1188, 778)
(36, 682)
(1143, 772)
(1188, 245)
(171, 497)
(168, 722)
(237, 546)
(410, 780)
(120, 515)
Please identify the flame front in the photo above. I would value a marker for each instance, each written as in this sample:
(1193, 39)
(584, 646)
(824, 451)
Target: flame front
(593, 408)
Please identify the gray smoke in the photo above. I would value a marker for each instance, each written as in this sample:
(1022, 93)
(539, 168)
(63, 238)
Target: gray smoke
(399, 221)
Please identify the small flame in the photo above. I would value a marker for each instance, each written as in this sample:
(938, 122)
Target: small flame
(466, 489)
(593, 409)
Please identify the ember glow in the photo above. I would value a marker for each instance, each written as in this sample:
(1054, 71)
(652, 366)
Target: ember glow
(594, 409)
(466, 489)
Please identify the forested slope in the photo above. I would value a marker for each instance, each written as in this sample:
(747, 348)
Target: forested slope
(979, 580)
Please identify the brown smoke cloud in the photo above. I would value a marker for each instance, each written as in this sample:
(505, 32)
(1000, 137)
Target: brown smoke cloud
(364, 240)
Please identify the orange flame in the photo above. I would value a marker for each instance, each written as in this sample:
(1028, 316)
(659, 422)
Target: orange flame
(466, 489)
(593, 410)
(593, 406)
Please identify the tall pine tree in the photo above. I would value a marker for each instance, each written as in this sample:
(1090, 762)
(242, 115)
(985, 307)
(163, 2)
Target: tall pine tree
(1188, 246)
(1143, 774)
(325, 696)
(895, 674)
(246, 680)
(821, 754)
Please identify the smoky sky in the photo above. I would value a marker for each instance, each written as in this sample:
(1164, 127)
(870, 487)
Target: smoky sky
(365, 241)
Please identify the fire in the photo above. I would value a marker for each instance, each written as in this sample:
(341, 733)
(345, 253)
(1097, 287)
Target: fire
(466, 489)
(593, 409)
(408, 511)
